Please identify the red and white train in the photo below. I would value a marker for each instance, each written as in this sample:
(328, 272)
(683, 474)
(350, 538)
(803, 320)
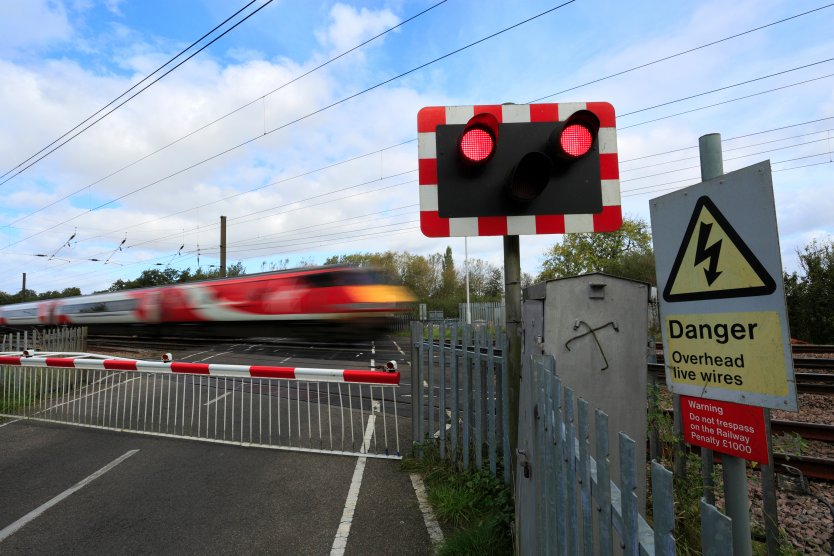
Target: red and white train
(290, 301)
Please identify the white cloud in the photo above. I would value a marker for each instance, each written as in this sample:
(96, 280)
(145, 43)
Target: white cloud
(292, 215)
(33, 24)
(349, 26)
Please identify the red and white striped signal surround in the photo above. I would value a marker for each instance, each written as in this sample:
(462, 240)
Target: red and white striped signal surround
(574, 144)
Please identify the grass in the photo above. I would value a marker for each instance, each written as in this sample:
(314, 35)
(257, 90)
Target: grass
(473, 507)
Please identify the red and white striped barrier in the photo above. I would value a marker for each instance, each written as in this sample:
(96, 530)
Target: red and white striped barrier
(88, 361)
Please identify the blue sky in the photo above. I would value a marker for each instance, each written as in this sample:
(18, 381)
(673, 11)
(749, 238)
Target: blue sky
(61, 61)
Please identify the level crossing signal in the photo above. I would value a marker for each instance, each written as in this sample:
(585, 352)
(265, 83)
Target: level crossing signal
(518, 169)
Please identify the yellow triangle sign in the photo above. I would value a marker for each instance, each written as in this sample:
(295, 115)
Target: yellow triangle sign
(713, 262)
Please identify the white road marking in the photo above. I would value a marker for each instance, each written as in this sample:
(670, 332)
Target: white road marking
(399, 348)
(215, 355)
(342, 533)
(217, 398)
(197, 353)
(10, 530)
(99, 391)
(286, 359)
(435, 533)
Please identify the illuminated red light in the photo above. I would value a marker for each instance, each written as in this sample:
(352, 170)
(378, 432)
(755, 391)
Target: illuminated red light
(575, 140)
(476, 144)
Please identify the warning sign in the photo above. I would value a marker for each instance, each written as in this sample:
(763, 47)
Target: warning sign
(713, 262)
(729, 428)
(723, 317)
(734, 351)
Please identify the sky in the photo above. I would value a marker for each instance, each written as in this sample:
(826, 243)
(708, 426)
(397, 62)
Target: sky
(307, 144)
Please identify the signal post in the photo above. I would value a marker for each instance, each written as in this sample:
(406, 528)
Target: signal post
(517, 169)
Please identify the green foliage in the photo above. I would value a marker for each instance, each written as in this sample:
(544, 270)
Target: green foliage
(32, 295)
(155, 277)
(434, 279)
(626, 252)
(789, 443)
(810, 296)
(475, 505)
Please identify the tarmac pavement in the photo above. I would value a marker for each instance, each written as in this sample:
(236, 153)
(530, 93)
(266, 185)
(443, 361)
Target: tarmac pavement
(172, 496)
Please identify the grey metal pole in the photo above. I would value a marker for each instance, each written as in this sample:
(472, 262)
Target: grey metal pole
(736, 496)
(769, 508)
(512, 301)
(712, 166)
(223, 246)
(23, 291)
(512, 314)
(466, 264)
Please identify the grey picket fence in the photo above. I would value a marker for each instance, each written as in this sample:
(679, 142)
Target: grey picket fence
(459, 393)
(579, 505)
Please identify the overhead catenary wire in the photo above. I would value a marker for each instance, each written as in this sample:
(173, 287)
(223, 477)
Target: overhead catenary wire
(731, 149)
(203, 228)
(437, 59)
(309, 115)
(731, 138)
(825, 6)
(783, 87)
(100, 110)
(236, 110)
(52, 150)
(298, 247)
(329, 166)
(682, 52)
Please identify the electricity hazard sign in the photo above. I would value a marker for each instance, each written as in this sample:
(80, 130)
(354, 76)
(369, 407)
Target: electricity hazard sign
(713, 262)
(724, 324)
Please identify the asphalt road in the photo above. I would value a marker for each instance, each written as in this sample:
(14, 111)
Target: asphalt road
(168, 496)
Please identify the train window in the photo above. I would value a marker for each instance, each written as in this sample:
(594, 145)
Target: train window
(18, 313)
(322, 280)
(349, 278)
(99, 307)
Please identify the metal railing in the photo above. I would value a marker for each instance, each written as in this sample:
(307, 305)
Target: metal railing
(459, 393)
(483, 312)
(320, 410)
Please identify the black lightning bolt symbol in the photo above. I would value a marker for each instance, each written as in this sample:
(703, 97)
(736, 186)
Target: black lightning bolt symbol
(702, 253)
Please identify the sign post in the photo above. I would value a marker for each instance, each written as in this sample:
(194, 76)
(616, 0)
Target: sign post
(725, 329)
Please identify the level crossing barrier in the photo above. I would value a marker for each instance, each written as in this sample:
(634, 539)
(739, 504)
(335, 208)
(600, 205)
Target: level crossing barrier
(343, 411)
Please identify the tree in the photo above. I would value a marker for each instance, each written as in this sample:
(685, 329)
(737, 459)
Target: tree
(449, 284)
(626, 252)
(419, 276)
(810, 296)
(388, 262)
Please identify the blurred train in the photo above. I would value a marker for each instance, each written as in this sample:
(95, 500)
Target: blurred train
(298, 302)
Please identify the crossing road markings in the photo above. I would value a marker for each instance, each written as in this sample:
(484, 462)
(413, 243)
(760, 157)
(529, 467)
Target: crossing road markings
(10, 530)
(218, 398)
(713, 262)
(342, 533)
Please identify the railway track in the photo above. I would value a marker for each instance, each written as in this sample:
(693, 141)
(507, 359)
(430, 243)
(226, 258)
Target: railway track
(807, 383)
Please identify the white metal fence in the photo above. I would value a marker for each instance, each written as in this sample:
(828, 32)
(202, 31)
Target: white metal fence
(322, 410)
(50, 339)
(490, 313)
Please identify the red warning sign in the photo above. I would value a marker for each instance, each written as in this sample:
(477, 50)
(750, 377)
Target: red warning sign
(726, 427)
